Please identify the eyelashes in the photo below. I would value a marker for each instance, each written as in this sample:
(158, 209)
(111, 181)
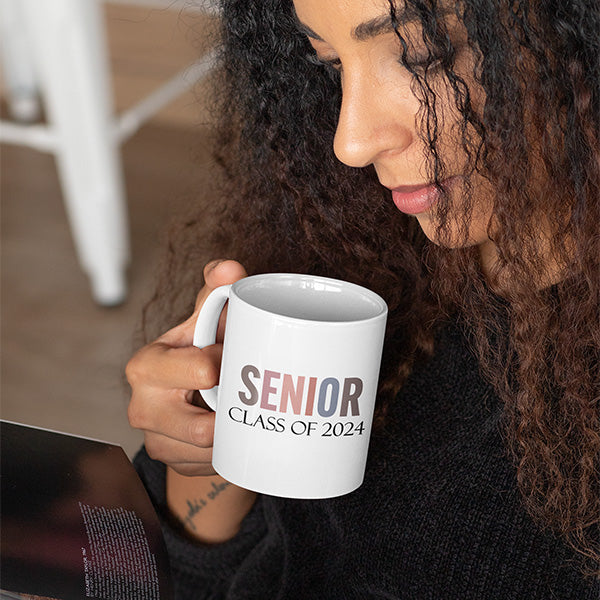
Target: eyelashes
(331, 64)
(422, 66)
(419, 65)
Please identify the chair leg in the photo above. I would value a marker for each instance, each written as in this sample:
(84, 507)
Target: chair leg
(21, 87)
(71, 56)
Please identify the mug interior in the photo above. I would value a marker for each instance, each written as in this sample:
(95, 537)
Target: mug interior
(309, 297)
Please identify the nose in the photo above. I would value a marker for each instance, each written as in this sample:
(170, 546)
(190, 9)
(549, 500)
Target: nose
(373, 121)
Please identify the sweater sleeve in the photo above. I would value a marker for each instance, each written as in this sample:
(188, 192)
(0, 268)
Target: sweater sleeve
(200, 571)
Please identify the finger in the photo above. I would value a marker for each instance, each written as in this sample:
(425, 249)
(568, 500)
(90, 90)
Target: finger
(216, 273)
(223, 272)
(172, 417)
(170, 451)
(163, 367)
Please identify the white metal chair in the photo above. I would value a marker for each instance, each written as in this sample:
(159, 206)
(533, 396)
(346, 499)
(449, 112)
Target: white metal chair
(56, 50)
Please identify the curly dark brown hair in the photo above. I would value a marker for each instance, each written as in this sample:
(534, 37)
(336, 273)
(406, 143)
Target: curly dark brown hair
(286, 204)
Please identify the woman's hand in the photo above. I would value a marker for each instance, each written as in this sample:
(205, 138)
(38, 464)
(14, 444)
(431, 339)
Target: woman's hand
(164, 375)
(178, 428)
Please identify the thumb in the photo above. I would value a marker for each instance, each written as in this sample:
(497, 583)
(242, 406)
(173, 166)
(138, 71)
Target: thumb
(216, 273)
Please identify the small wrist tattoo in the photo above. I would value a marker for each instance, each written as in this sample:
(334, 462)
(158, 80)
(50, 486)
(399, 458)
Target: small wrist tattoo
(195, 505)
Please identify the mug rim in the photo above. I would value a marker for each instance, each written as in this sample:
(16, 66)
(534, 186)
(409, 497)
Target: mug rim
(373, 296)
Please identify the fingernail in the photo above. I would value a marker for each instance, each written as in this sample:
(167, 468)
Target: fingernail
(215, 263)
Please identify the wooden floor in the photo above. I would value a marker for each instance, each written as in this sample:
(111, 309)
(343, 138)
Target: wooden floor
(63, 356)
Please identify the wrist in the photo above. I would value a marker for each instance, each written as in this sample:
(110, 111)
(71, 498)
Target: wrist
(209, 509)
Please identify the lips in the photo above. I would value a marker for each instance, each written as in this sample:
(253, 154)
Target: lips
(417, 199)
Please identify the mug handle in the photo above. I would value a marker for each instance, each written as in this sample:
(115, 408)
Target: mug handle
(205, 332)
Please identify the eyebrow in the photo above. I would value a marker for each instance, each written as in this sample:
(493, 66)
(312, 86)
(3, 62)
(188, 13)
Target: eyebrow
(372, 28)
(369, 29)
(362, 32)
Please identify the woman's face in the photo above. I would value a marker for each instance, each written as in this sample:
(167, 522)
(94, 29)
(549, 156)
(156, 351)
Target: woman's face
(379, 117)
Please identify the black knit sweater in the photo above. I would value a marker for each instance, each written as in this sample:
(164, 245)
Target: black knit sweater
(437, 517)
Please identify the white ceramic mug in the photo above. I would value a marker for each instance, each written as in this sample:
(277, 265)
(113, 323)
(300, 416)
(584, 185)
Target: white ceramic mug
(299, 374)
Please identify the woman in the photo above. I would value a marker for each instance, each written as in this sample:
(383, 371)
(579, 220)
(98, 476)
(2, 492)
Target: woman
(446, 155)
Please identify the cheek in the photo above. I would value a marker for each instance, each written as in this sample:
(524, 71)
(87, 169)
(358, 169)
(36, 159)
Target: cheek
(456, 132)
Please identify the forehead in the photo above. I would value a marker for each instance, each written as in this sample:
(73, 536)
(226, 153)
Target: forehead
(361, 19)
(313, 15)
